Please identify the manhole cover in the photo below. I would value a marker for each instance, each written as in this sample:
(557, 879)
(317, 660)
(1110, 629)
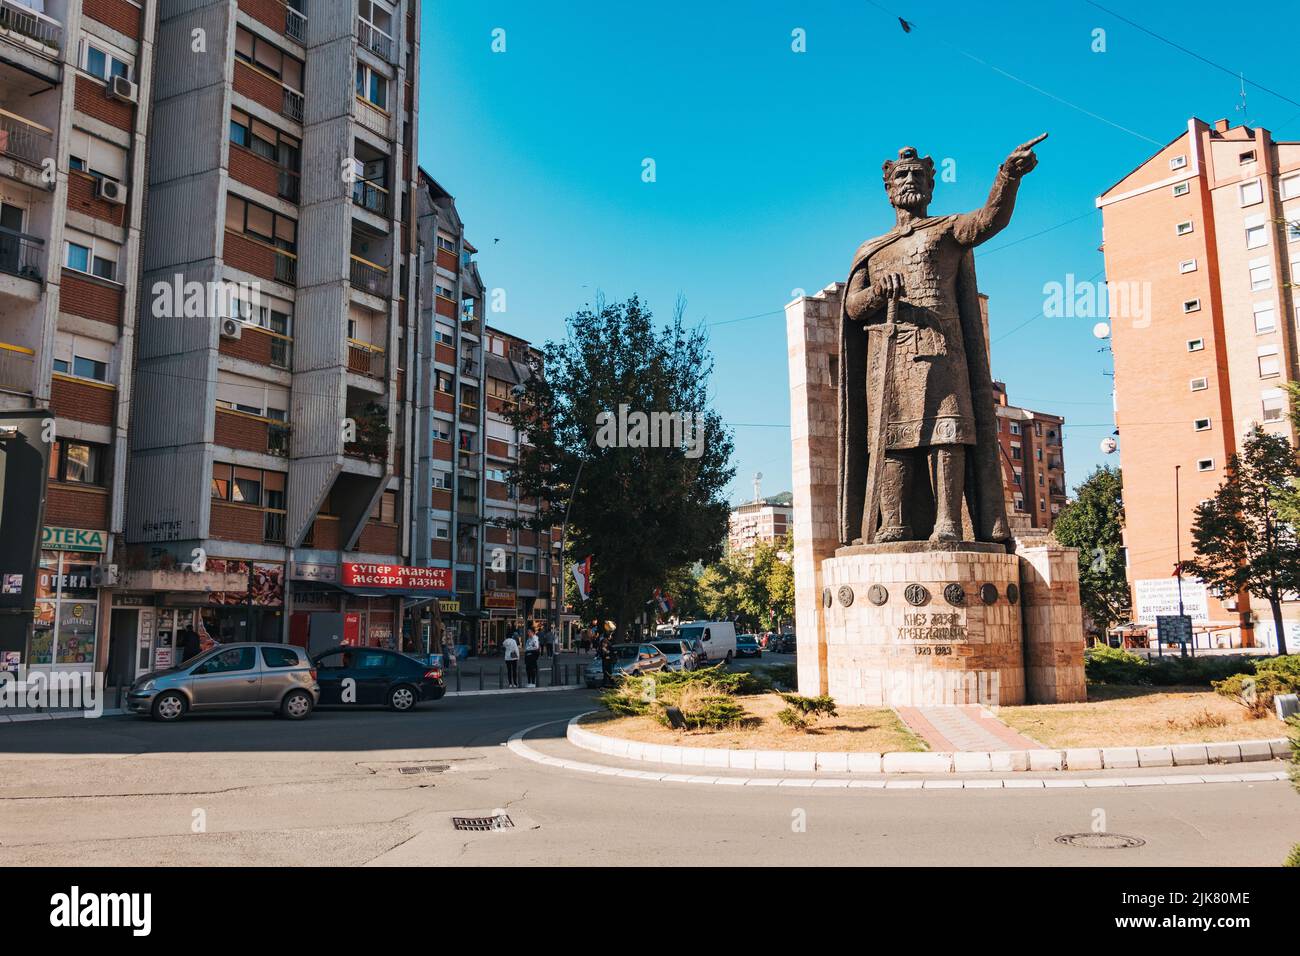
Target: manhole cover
(424, 768)
(1101, 841)
(499, 822)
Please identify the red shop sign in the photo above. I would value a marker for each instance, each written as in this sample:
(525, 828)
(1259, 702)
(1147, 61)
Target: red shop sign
(396, 577)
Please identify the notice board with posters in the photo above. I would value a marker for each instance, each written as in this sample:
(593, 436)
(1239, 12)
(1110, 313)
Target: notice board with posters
(24, 463)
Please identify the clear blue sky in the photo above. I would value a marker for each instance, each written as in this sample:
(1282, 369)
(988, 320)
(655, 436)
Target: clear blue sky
(768, 162)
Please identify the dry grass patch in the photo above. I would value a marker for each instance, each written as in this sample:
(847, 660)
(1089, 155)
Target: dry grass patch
(1121, 716)
(866, 729)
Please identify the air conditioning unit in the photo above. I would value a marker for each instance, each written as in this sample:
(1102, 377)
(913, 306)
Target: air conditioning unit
(104, 576)
(231, 328)
(120, 88)
(110, 190)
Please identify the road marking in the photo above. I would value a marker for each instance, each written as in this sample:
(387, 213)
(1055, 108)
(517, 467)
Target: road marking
(517, 746)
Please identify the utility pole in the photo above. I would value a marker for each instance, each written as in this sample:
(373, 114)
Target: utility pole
(1178, 549)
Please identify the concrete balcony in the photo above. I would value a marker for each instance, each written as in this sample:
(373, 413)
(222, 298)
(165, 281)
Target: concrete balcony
(375, 40)
(24, 148)
(35, 40)
(366, 359)
(17, 369)
(378, 121)
(372, 197)
(22, 265)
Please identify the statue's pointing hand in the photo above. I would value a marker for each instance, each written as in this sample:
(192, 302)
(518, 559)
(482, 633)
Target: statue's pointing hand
(1022, 160)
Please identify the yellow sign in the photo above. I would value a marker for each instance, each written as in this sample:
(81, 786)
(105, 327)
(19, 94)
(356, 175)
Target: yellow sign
(449, 607)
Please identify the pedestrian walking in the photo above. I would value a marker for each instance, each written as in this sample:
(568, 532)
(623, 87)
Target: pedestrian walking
(189, 641)
(510, 651)
(606, 651)
(532, 651)
(548, 642)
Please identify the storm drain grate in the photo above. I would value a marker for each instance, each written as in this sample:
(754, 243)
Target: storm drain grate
(424, 768)
(499, 822)
(1101, 841)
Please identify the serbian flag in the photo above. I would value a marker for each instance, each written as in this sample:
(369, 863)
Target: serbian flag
(582, 574)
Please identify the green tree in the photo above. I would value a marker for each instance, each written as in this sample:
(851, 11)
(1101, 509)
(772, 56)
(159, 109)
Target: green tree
(722, 592)
(639, 508)
(1093, 522)
(1241, 541)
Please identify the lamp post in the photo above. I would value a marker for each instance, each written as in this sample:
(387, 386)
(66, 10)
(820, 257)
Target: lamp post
(1178, 553)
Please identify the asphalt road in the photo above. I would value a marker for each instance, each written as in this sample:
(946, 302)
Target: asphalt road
(230, 790)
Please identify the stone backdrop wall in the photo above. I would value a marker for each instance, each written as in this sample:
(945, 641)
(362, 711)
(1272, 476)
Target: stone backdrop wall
(812, 336)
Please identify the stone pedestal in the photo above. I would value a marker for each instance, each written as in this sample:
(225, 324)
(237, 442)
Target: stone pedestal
(921, 624)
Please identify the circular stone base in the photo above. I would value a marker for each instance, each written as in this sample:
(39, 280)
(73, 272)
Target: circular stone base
(915, 627)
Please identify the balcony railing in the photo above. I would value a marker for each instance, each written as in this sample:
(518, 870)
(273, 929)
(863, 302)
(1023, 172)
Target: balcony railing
(24, 140)
(375, 40)
(370, 195)
(370, 277)
(286, 267)
(277, 440)
(468, 413)
(22, 255)
(365, 359)
(16, 365)
(23, 25)
(469, 367)
(373, 118)
(274, 525)
(292, 106)
(295, 25)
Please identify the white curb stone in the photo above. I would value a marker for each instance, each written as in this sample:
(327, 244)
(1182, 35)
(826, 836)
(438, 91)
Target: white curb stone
(1190, 755)
(1155, 757)
(1255, 750)
(1227, 752)
(833, 762)
(970, 762)
(1044, 759)
(1085, 758)
(1119, 758)
(916, 763)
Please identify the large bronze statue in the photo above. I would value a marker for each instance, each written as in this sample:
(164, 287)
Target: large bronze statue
(917, 425)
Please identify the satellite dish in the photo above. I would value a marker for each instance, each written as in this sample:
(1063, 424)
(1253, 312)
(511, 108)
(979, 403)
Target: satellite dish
(1109, 445)
(1101, 330)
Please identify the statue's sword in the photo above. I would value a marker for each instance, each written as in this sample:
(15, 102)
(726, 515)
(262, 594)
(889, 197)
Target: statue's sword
(876, 465)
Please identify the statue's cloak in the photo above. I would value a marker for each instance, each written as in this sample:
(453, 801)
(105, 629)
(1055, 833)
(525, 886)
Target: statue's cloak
(984, 488)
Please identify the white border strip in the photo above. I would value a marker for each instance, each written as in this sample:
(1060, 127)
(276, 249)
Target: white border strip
(997, 761)
(521, 749)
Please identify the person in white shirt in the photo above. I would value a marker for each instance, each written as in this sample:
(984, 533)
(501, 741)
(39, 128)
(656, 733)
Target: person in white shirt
(510, 650)
(532, 650)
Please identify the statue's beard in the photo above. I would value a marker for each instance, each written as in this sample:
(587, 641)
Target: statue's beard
(913, 200)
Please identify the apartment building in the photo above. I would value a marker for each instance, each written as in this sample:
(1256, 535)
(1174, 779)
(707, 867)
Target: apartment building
(76, 81)
(449, 408)
(1033, 462)
(520, 579)
(765, 519)
(1208, 231)
(271, 471)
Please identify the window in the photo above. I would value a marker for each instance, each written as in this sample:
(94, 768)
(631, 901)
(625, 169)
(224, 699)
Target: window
(268, 58)
(1177, 162)
(96, 157)
(1020, 503)
(1186, 266)
(442, 530)
(77, 462)
(1251, 193)
(265, 140)
(1182, 189)
(1256, 236)
(442, 479)
(1183, 228)
(1042, 504)
(1199, 384)
(528, 564)
(250, 219)
(1270, 363)
(279, 657)
(1205, 464)
(445, 243)
(385, 509)
(372, 87)
(1020, 477)
(1274, 404)
(1247, 157)
(1201, 425)
(248, 486)
(444, 335)
(1016, 453)
(1261, 275)
(441, 434)
(444, 383)
(1264, 317)
(1293, 229)
(443, 291)
(1015, 428)
(90, 255)
(231, 659)
(90, 368)
(1195, 345)
(103, 62)
(1192, 305)
(1290, 187)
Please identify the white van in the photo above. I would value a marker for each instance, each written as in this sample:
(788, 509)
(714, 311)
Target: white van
(718, 638)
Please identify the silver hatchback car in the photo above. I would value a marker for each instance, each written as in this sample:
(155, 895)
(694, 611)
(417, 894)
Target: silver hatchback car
(276, 677)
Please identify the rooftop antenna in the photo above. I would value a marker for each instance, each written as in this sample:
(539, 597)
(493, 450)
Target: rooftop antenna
(758, 484)
(1241, 107)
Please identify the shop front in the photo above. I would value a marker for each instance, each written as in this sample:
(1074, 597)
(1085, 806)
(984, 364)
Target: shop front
(367, 605)
(65, 633)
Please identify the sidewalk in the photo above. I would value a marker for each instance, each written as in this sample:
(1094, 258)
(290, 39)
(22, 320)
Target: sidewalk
(963, 727)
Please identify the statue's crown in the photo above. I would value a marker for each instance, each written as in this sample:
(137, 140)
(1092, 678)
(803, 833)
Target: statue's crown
(908, 157)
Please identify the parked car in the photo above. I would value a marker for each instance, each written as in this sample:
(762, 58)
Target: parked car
(782, 644)
(275, 677)
(681, 656)
(717, 638)
(747, 646)
(633, 659)
(372, 676)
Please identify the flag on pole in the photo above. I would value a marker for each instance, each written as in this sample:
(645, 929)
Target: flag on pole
(582, 574)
